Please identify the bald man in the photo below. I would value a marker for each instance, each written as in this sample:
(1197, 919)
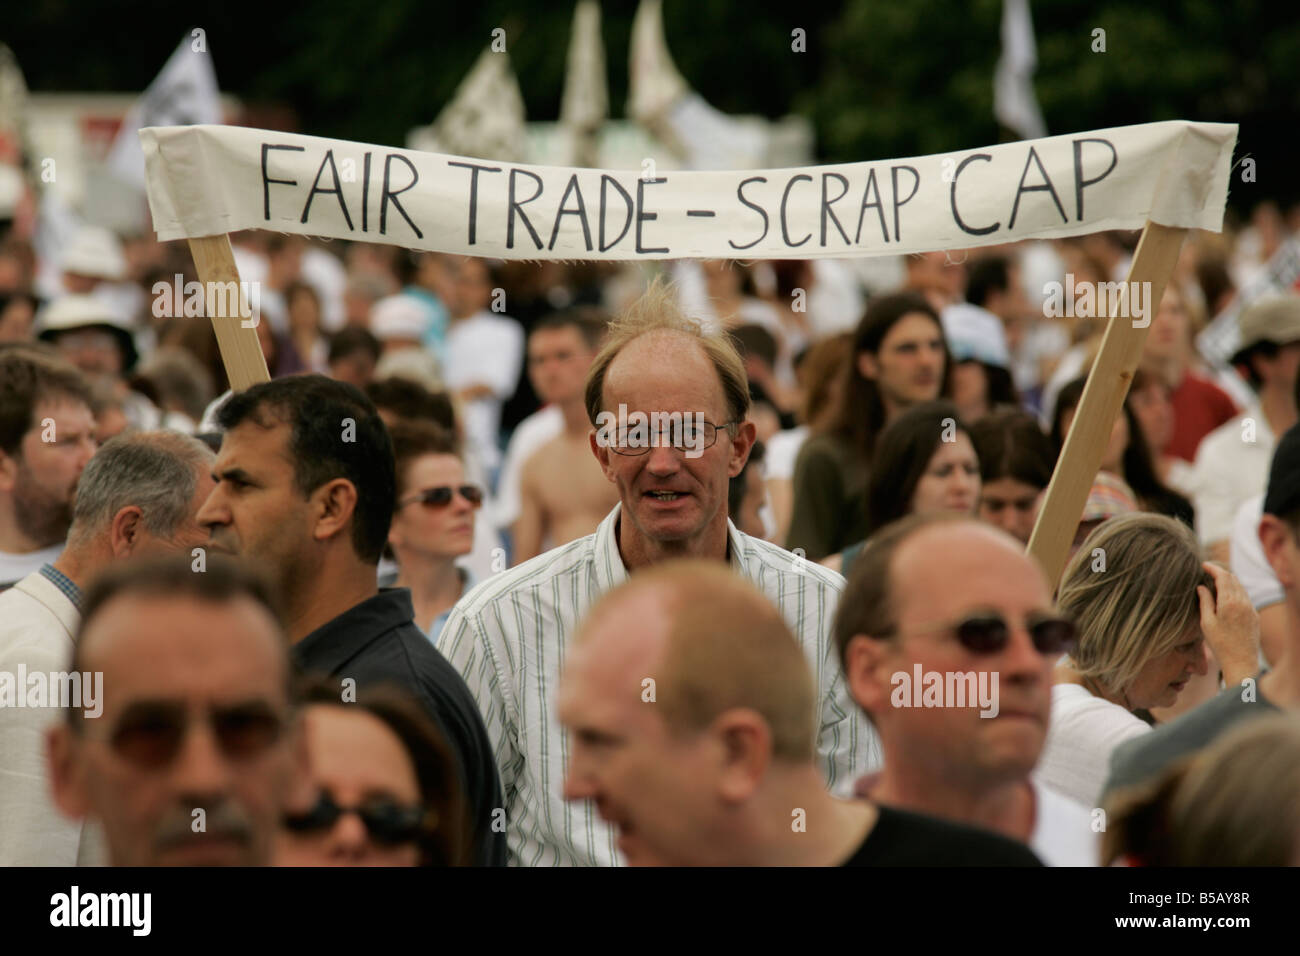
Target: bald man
(690, 710)
(948, 637)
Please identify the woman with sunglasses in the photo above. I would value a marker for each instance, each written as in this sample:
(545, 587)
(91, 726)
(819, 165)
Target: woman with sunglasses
(925, 463)
(433, 522)
(1146, 606)
(383, 788)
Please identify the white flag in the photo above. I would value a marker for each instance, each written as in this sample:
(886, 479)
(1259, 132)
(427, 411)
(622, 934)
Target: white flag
(1014, 102)
(662, 101)
(485, 117)
(585, 105)
(184, 94)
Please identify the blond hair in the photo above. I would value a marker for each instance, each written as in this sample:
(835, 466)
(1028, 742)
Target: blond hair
(657, 311)
(1144, 602)
(727, 648)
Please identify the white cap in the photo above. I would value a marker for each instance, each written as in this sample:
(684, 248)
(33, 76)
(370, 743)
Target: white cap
(975, 333)
(94, 252)
(398, 317)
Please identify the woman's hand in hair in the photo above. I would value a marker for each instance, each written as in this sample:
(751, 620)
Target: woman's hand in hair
(1230, 625)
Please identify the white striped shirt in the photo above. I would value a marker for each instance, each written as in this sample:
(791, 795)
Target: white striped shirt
(507, 638)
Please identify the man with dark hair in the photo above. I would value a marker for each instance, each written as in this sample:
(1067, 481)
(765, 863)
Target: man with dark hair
(138, 496)
(199, 725)
(47, 434)
(398, 398)
(353, 355)
(562, 493)
(306, 486)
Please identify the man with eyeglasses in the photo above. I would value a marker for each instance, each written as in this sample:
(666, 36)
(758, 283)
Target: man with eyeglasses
(306, 487)
(195, 753)
(680, 399)
(938, 609)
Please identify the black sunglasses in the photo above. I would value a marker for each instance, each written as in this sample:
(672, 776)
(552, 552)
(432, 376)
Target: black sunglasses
(389, 823)
(441, 496)
(989, 633)
(151, 735)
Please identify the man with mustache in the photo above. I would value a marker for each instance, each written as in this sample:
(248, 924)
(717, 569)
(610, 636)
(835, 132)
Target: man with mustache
(195, 753)
(947, 595)
(138, 496)
(46, 437)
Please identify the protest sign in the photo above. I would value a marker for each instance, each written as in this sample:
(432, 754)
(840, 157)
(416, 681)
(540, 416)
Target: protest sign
(208, 180)
(1166, 178)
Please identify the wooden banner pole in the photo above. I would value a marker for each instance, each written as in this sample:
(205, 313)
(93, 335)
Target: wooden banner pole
(241, 352)
(1103, 398)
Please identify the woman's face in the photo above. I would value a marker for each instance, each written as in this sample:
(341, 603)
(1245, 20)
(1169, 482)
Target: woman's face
(970, 387)
(951, 481)
(1163, 678)
(359, 762)
(1011, 505)
(439, 532)
(1155, 415)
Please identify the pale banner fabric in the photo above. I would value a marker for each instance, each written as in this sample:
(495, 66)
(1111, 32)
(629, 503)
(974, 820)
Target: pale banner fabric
(207, 180)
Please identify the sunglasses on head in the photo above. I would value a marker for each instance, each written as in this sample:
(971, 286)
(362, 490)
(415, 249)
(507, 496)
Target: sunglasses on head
(151, 735)
(441, 496)
(389, 823)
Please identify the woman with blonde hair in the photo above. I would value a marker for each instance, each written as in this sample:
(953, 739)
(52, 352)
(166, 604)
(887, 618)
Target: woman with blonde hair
(1145, 605)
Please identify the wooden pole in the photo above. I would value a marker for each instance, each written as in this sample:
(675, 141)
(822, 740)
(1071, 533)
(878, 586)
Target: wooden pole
(241, 352)
(1103, 398)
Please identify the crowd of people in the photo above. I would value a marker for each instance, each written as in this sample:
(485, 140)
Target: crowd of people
(412, 603)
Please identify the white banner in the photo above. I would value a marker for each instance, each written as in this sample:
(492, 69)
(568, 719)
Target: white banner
(207, 180)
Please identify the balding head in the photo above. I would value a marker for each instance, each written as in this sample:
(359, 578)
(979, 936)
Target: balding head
(683, 694)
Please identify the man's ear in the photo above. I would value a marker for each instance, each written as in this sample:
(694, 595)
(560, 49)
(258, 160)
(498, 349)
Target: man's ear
(746, 752)
(741, 445)
(1279, 549)
(8, 472)
(867, 666)
(125, 530)
(602, 453)
(67, 778)
(333, 506)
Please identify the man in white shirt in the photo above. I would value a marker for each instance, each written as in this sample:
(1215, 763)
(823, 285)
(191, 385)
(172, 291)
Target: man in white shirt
(508, 636)
(948, 639)
(46, 437)
(139, 495)
(1232, 461)
(484, 355)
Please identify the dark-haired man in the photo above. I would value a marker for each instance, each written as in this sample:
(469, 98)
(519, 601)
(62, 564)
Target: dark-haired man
(306, 486)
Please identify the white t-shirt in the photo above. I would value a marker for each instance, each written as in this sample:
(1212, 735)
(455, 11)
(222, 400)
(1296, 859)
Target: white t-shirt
(529, 435)
(782, 451)
(15, 567)
(1246, 556)
(1084, 732)
(1229, 469)
(1063, 833)
(485, 349)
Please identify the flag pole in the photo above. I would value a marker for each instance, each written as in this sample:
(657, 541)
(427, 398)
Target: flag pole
(241, 351)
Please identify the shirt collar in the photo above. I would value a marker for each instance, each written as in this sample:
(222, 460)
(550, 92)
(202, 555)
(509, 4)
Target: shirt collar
(338, 641)
(63, 583)
(610, 569)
